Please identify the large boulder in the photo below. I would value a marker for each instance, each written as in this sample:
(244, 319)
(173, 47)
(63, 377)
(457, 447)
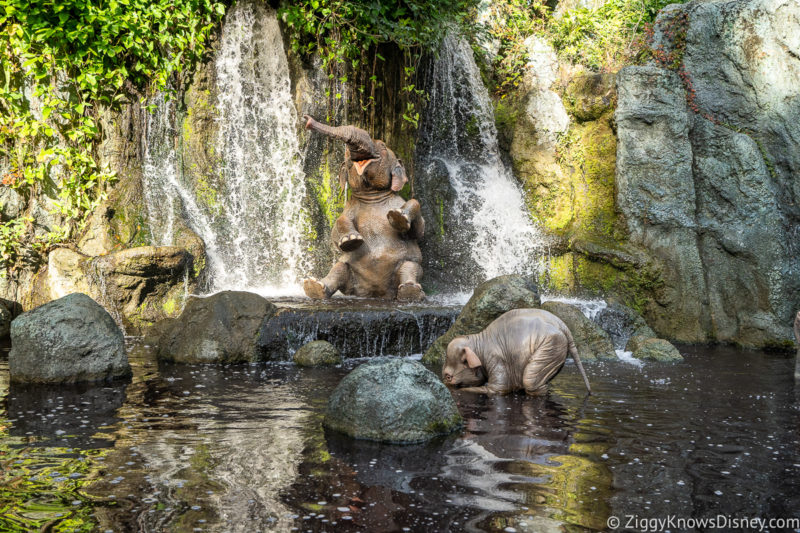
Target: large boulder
(392, 400)
(317, 353)
(67, 340)
(708, 183)
(138, 285)
(653, 349)
(592, 342)
(490, 300)
(222, 328)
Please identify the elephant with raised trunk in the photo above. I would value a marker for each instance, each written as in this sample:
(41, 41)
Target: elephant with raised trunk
(378, 230)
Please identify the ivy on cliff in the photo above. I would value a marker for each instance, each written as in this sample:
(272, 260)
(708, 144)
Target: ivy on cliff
(63, 63)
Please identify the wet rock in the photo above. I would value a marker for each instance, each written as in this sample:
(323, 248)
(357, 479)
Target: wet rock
(5, 321)
(490, 300)
(68, 340)
(317, 353)
(392, 400)
(653, 349)
(358, 328)
(592, 342)
(222, 328)
(622, 323)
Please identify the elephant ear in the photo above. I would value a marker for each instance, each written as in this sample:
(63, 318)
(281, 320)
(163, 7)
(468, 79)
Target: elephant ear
(473, 361)
(399, 178)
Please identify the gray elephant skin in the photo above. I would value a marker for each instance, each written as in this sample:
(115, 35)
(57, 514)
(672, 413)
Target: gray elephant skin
(522, 349)
(378, 230)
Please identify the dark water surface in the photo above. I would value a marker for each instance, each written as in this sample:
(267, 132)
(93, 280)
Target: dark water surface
(241, 448)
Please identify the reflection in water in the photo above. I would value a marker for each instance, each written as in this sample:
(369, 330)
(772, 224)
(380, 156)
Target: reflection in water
(241, 448)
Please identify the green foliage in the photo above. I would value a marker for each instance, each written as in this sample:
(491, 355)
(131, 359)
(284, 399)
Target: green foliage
(605, 38)
(63, 62)
(347, 33)
(509, 23)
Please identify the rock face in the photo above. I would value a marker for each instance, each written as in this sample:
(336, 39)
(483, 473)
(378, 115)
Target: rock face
(68, 340)
(392, 400)
(138, 285)
(490, 300)
(222, 328)
(710, 187)
(592, 342)
(317, 353)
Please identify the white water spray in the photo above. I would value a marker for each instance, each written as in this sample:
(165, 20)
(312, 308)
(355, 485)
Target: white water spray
(485, 212)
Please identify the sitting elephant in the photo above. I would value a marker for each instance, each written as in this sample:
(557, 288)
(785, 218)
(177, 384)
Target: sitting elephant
(522, 349)
(378, 230)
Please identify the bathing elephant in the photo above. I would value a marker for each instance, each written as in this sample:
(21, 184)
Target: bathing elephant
(378, 230)
(522, 349)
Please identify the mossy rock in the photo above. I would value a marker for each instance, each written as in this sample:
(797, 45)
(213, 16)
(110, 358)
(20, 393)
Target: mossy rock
(392, 400)
(653, 349)
(317, 353)
(490, 300)
(589, 96)
(592, 342)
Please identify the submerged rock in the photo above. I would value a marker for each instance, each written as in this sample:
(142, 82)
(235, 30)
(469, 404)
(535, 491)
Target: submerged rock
(653, 349)
(592, 342)
(67, 340)
(392, 400)
(490, 300)
(317, 353)
(222, 328)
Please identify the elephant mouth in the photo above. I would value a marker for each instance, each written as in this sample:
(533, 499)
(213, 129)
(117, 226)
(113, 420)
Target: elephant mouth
(362, 165)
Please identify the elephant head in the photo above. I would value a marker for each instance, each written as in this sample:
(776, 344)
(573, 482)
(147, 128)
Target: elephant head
(369, 164)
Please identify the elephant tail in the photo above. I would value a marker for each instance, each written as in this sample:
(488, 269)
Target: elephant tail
(573, 351)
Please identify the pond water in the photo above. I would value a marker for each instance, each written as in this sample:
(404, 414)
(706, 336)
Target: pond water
(241, 448)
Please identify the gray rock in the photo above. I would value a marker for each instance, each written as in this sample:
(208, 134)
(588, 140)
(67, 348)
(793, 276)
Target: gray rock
(621, 323)
(222, 328)
(67, 340)
(5, 321)
(653, 349)
(592, 342)
(317, 353)
(12, 204)
(713, 195)
(392, 400)
(490, 299)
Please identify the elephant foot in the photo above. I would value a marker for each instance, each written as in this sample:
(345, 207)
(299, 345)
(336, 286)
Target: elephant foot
(399, 220)
(315, 289)
(411, 292)
(350, 242)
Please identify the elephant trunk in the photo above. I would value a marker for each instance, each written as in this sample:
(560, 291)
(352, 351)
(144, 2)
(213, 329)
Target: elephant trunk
(358, 141)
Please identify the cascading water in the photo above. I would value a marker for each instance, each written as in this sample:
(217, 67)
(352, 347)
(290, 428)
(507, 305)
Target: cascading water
(253, 223)
(479, 226)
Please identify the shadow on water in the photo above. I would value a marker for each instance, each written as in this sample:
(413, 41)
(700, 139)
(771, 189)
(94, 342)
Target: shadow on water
(242, 448)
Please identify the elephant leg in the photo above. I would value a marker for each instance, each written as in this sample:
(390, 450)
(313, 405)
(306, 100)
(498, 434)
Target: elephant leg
(408, 276)
(327, 286)
(402, 219)
(348, 237)
(544, 365)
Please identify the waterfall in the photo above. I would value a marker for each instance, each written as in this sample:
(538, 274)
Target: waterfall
(254, 222)
(478, 224)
